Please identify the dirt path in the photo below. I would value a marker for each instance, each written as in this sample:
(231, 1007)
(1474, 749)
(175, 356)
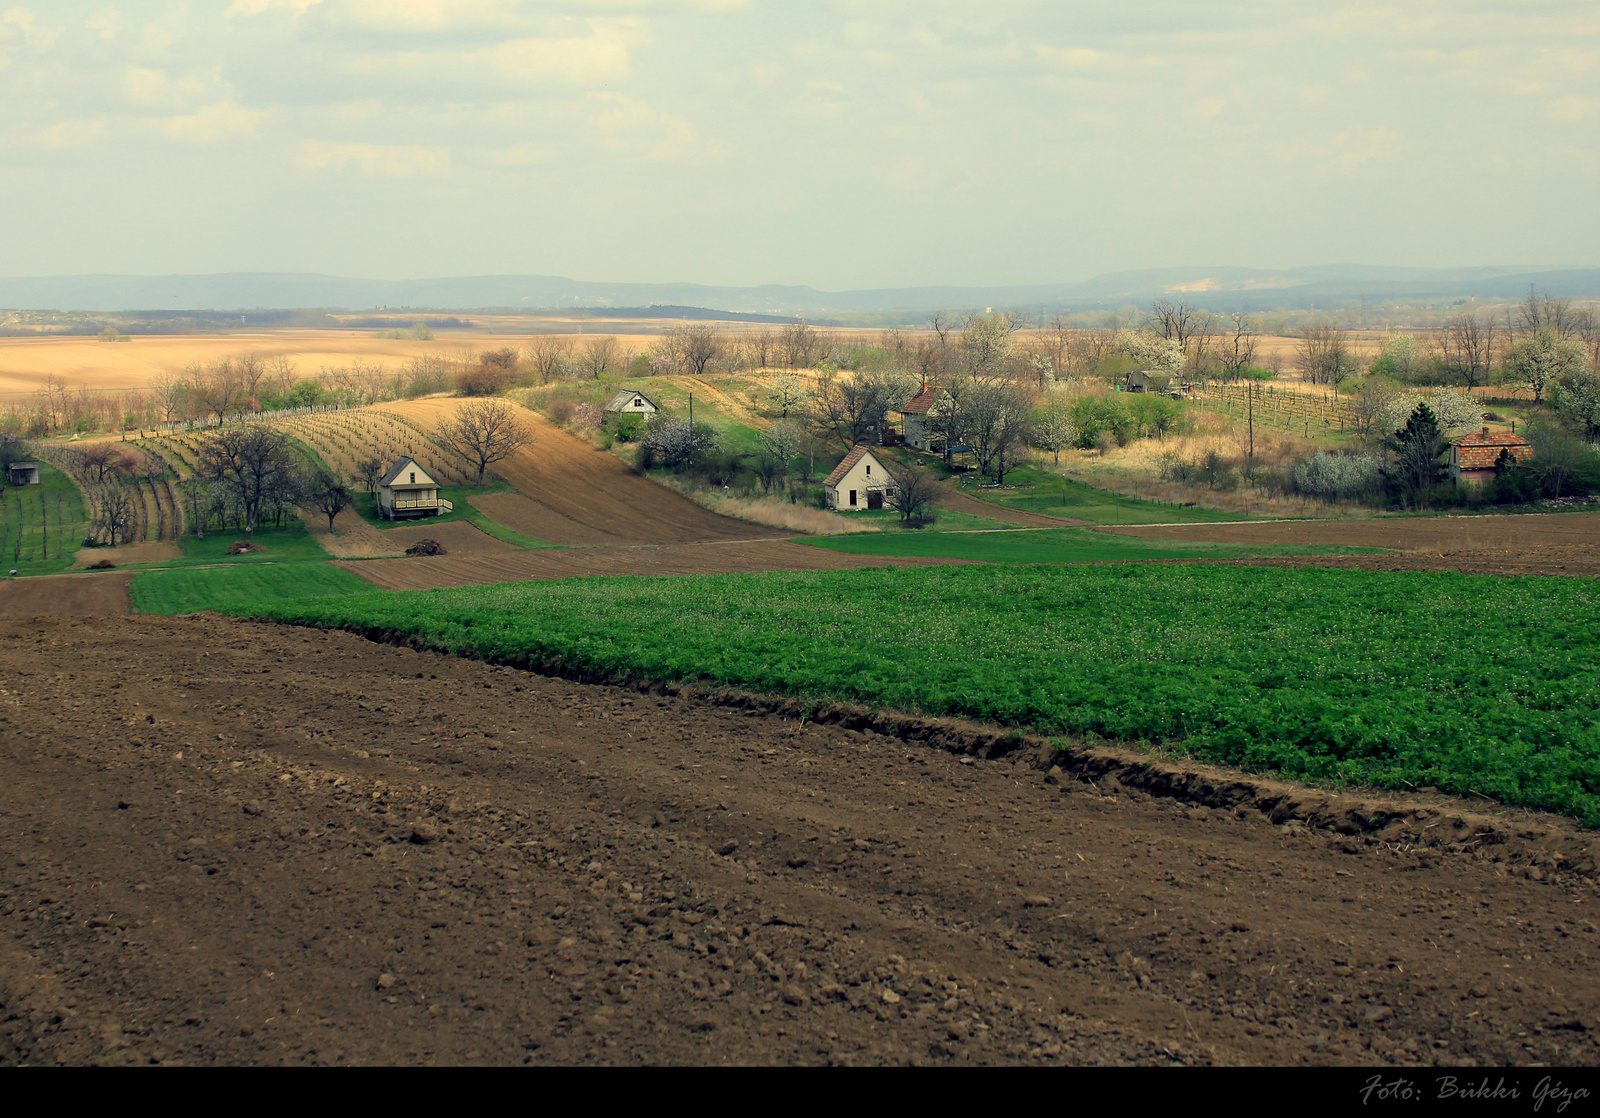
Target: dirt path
(573, 494)
(373, 855)
(734, 557)
(65, 596)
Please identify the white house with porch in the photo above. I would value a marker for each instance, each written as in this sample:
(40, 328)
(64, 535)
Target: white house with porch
(858, 482)
(408, 491)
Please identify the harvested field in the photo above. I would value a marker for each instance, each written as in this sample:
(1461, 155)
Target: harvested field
(582, 562)
(550, 872)
(65, 596)
(573, 494)
(1530, 544)
(354, 538)
(122, 556)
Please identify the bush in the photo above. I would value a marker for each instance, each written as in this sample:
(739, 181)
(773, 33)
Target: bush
(1336, 477)
(483, 380)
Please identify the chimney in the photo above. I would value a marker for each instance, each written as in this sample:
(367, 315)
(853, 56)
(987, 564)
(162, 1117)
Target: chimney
(1486, 432)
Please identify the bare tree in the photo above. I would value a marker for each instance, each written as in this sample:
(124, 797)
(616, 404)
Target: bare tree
(485, 432)
(251, 370)
(254, 466)
(1538, 310)
(171, 393)
(1237, 351)
(853, 409)
(799, 343)
(692, 348)
(915, 490)
(280, 375)
(600, 355)
(218, 389)
(1178, 322)
(114, 512)
(1324, 353)
(1467, 347)
(369, 470)
(104, 458)
(548, 354)
(999, 427)
(327, 493)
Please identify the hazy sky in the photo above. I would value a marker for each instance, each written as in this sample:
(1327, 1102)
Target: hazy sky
(839, 144)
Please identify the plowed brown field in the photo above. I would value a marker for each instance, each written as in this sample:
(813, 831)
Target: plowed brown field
(372, 855)
(581, 562)
(1531, 544)
(65, 595)
(577, 495)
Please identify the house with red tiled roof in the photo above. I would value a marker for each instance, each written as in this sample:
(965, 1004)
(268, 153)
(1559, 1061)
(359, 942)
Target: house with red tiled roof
(1473, 457)
(858, 482)
(913, 417)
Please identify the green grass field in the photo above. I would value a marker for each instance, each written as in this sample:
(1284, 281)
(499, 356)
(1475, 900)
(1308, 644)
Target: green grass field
(1052, 545)
(279, 545)
(1389, 679)
(190, 589)
(41, 526)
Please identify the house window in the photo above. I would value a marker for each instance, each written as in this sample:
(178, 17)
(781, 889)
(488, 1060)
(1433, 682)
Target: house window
(869, 471)
(852, 496)
(413, 479)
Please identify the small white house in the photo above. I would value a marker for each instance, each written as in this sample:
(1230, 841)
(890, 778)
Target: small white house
(407, 490)
(22, 473)
(632, 403)
(860, 481)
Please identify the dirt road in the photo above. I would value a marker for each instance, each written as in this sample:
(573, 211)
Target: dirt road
(225, 842)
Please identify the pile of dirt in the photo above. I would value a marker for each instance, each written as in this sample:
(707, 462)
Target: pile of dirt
(102, 565)
(486, 866)
(244, 546)
(426, 546)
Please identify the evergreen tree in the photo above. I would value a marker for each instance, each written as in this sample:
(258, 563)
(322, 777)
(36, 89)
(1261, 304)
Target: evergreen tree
(1417, 448)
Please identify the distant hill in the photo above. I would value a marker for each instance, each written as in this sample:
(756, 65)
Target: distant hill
(1218, 288)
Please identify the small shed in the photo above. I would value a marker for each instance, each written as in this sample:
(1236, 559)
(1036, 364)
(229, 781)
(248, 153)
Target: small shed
(1143, 380)
(859, 482)
(22, 473)
(407, 491)
(914, 417)
(632, 403)
(1473, 457)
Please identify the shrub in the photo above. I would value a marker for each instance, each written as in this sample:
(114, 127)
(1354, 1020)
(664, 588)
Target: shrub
(1336, 477)
(483, 380)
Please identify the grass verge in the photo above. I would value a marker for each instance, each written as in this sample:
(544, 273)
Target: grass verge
(460, 496)
(1388, 679)
(1032, 489)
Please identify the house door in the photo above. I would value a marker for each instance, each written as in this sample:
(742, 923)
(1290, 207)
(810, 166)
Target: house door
(874, 499)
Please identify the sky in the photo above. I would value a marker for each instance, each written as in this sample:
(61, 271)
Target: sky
(836, 143)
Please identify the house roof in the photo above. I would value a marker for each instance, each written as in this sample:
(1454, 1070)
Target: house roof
(623, 399)
(396, 470)
(922, 401)
(857, 453)
(1482, 451)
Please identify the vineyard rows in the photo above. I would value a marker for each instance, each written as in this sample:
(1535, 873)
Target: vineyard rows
(1274, 406)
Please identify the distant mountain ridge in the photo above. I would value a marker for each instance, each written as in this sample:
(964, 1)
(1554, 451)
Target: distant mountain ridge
(1219, 288)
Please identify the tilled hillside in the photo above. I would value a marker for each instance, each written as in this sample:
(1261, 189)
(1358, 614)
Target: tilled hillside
(225, 842)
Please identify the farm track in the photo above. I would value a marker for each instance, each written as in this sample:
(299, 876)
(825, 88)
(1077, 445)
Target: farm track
(323, 869)
(645, 560)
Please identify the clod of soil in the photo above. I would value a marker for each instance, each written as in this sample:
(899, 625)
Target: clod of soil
(244, 546)
(426, 547)
(102, 565)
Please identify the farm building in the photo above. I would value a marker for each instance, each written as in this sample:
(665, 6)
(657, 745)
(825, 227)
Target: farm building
(632, 403)
(1143, 380)
(914, 417)
(1473, 457)
(859, 482)
(407, 491)
(22, 473)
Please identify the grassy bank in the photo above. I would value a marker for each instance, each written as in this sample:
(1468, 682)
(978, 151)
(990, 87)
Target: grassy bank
(1338, 676)
(1032, 489)
(41, 526)
(459, 496)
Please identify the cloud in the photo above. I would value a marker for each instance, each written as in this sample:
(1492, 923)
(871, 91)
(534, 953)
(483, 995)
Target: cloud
(214, 123)
(1571, 108)
(627, 123)
(1075, 58)
(388, 161)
